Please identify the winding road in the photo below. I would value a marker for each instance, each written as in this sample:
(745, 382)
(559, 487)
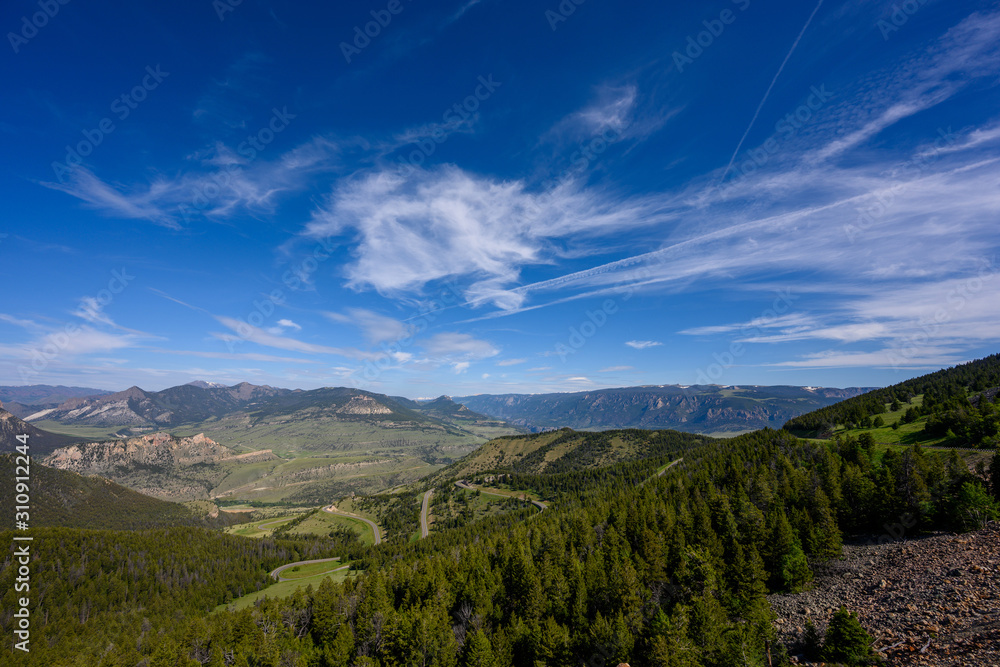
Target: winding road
(424, 529)
(260, 526)
(463, 485)
(332, 509)
(276, 572)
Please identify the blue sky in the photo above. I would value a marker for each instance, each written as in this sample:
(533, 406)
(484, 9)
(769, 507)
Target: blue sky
(475, 196)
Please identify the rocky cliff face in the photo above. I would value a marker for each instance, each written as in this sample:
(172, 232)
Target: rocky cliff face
(158, 464)
(157, 449)
(364, 405)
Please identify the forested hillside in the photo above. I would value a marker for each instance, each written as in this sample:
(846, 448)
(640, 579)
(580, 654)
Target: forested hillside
(661, 555)
(64, 498)
(672, 571)
(952, 395)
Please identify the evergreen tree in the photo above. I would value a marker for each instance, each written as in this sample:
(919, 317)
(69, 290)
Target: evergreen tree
(847, 641)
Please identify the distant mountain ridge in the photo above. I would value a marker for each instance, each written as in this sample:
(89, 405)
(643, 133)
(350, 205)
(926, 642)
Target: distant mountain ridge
(22, 401)
(184, 404)
(200, 401)
(694, 409)
(38, 394)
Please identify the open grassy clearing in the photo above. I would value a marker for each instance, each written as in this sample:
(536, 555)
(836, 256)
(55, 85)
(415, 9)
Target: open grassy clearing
(323, 435)
(283, 589)
(366, 480)
(321, 523)
(906, 435)
(259, 528)
(312, 570)
(85, 432)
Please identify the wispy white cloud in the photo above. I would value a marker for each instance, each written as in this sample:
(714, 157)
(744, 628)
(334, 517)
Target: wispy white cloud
(244, 331)
(236, 356)
(613, 109)
(458, 349)
(616, 369)
(511, 362)
(443, 223)
(225, 183)
(642, 344)
(887, 358)
(377, 328)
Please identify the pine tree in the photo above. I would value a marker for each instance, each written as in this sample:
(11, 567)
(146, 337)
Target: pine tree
(477, 651)
(847, 641)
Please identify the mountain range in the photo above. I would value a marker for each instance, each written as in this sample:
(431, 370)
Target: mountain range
(703, 409)
(22, 401)
(707, 409)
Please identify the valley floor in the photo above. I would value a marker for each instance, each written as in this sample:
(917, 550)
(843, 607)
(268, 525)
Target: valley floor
(932, 601)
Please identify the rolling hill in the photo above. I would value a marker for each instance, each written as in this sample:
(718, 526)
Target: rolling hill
(567, 450)
(66, 498)
(709, 409)
(40, 442)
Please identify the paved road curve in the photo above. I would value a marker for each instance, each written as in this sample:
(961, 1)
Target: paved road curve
(424, 530)
(276, 572)
(332, 509)
(260, 526)
(463, 485)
